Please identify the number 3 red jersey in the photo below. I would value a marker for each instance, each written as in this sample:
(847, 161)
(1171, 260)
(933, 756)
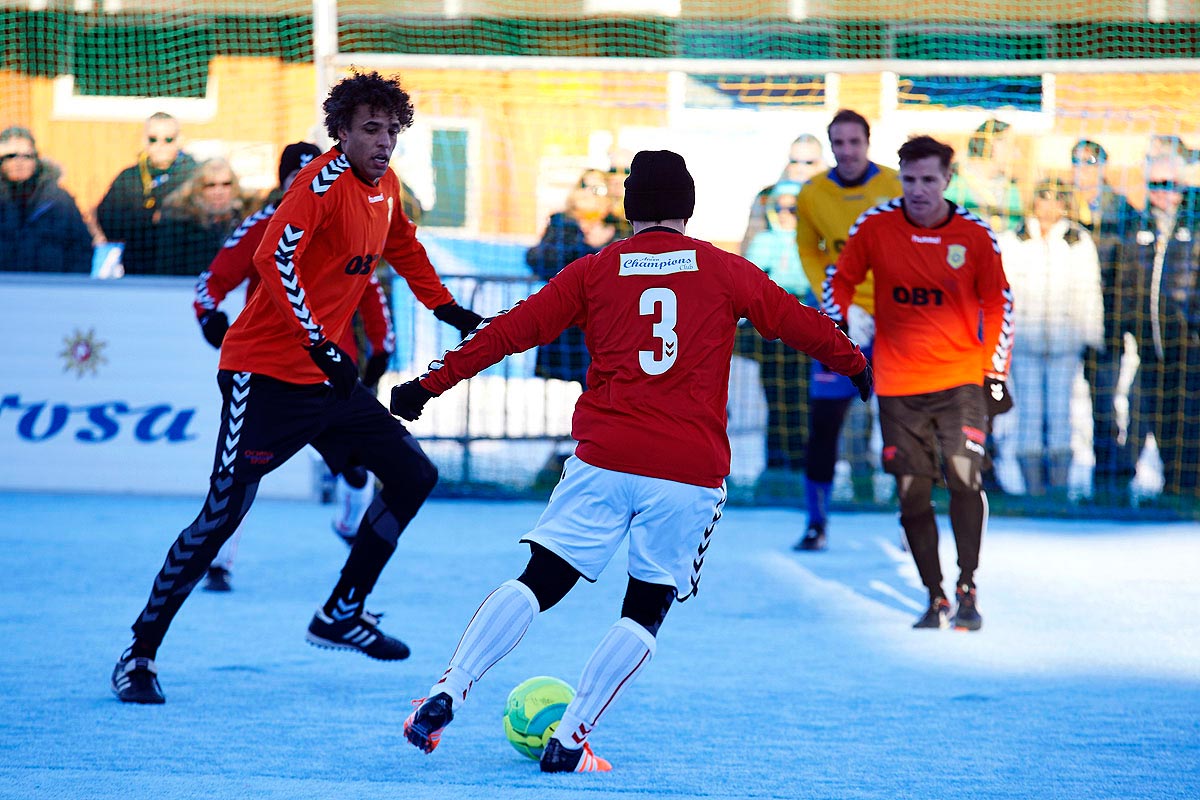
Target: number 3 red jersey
(659, 312)
(317, 255)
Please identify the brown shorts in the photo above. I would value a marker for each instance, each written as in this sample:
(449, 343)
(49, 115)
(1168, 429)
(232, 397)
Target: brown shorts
(918, 428)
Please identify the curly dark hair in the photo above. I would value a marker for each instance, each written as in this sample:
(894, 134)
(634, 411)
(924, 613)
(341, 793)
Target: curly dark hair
(365, 88)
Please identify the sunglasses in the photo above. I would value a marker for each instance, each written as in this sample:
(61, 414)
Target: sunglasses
(211, 184)
(787, 208)
(1163, 186)
(157, 139)
(11, 156)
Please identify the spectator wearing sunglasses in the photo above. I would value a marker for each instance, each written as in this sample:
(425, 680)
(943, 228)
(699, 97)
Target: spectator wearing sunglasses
(198, 217)
(41, 229)
(806, 158)
(784, 372)
(1112, 221)
(1167, 322)
(131, 210)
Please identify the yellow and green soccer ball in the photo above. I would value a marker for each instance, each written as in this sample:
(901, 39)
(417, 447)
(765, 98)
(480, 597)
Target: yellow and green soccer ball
(533, 711)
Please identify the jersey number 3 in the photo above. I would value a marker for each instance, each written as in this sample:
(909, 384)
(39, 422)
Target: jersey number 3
(652, 303)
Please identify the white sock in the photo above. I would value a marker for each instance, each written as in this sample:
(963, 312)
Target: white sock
(349, 504)
(228, 551)
(623, 652)
(496, 628)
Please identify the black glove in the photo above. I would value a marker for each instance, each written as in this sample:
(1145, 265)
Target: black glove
(409, 398)
(337, 366)
(464, 319)
(377, 364)
(996, 396)
(214, 324)
(865, 382)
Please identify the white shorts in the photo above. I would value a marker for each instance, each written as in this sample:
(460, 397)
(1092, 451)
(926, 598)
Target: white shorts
(669, 524)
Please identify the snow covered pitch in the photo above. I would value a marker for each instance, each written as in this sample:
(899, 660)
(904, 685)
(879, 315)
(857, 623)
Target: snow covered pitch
(789, 676)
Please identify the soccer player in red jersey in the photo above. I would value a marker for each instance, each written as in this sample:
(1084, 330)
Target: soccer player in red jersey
(659, 312)
(943, 328)
(285, 383)
(233, 265)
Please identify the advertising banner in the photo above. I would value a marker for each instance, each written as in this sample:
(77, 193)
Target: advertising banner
(108, 386)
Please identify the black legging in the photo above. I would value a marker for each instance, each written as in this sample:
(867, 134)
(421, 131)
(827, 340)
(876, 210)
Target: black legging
(225, 506)
(828, 416)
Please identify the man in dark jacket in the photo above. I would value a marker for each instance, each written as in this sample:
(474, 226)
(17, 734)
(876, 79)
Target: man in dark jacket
(1112, 221)
(1167, 327)
(41, 229)
(132, 209)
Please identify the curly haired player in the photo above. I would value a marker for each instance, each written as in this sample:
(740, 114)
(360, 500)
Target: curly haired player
(285, 383)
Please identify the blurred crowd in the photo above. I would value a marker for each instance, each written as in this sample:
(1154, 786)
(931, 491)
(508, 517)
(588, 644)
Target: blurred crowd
(1107, 290)
(1107, 310)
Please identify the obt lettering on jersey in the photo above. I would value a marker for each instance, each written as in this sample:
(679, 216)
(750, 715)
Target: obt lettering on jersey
(96, 423)
(918, 296)
(363, 265)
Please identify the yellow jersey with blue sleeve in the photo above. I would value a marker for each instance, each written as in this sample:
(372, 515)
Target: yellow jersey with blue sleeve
(826, 208)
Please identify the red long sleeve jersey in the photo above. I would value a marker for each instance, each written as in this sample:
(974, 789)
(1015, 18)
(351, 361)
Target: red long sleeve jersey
(317, 255)
(658, 311)
(933, 287)
(234, 263)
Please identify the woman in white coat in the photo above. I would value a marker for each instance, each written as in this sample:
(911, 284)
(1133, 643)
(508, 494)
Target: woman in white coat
(1054, 273)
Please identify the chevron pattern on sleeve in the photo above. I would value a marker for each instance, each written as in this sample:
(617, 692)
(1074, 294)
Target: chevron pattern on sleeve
(248, 223)
(328, 174)
(285, 254)
(890, 205)
(971, 216)
(203, 298)
(831, 309)
(1004, 344)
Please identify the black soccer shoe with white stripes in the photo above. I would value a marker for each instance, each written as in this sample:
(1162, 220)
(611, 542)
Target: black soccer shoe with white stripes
(966, 617)
(359, 633)
(135, 680)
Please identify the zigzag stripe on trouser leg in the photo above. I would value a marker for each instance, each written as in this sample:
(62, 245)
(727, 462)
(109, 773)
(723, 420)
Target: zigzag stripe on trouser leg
(197, 545)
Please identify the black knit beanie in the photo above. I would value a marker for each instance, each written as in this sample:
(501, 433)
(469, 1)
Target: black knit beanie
(296, 156)
(659, 187)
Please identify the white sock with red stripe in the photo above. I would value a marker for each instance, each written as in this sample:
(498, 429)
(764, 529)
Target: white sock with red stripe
(496, 628)
(623, 652)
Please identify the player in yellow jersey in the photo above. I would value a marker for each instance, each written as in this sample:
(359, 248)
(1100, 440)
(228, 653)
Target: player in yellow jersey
(825, 209)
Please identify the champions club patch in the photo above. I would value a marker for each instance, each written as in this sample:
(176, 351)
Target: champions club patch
(658, 263)
(956, 255)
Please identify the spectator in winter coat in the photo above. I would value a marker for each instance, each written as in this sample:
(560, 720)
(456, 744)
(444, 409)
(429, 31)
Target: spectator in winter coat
(41, 229)
(198, 217)
(131, 210)
(579, 230)
(784, 371)
(1112, 222)
(1167, 285)
(1054, 273)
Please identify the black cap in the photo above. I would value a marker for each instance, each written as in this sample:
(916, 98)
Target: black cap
(295, 156)
(659, 187)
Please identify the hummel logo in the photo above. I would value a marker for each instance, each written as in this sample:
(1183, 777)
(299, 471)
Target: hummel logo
(333, 354)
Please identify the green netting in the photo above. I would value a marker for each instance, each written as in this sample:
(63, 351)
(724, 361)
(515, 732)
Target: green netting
(500, 144)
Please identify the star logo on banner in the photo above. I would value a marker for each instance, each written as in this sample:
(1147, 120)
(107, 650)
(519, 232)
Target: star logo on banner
(82, 353)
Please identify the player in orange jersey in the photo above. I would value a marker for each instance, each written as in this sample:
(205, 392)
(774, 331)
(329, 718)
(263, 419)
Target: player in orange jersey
(943, 328)
(286, 383)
